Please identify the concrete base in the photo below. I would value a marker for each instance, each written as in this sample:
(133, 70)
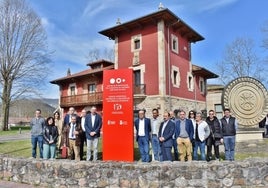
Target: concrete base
(250, 134)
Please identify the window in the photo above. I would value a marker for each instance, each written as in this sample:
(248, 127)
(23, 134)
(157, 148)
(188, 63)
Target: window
(175, 76)
(136, 43)
(175, 44)
(190, 82)
(72, 90)
(137, 77)
(218, 111)
(91, 88)
(202, 85)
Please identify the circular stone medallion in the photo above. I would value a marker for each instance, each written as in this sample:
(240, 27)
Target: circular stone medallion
(247, 99)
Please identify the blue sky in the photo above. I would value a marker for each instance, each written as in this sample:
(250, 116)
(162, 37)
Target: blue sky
(72, 27)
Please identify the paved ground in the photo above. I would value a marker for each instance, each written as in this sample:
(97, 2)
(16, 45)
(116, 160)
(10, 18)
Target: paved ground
(18, 136)
(8, 184)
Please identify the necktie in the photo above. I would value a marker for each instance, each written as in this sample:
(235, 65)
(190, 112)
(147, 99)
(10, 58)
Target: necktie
(72, 130)
(196, 131)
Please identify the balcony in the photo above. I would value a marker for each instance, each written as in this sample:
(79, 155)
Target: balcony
(139, 89)
(82, 99)
(96, 97)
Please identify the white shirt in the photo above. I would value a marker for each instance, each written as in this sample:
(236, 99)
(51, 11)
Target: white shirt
(93, 117)
(83, 124)
(71, 134)
(141, 128)
(164, 126)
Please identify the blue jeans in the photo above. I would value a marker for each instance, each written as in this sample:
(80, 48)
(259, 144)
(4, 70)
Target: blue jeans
(49, 151)
(143, 143)
(156, 148)
(229, 145)
(201, 145)
(37, 139)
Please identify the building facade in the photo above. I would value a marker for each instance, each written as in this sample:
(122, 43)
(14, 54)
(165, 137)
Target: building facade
(83, 89)
(157, 47)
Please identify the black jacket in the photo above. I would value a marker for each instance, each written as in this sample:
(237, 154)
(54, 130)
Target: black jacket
(215, 127)
(228, 129)
(50, 132)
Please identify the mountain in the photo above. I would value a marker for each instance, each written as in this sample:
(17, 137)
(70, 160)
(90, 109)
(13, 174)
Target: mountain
(24, 109)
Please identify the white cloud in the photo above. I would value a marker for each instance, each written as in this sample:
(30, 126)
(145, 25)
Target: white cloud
(75, 48)
(200, 6)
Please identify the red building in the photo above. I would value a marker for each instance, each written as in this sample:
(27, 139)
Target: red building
(158, 49)
(83, 89)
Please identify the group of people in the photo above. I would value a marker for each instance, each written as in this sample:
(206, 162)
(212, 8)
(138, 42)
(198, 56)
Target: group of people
(186, 136)
(53, 134)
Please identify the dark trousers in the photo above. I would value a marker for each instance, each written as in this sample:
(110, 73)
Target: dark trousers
(209, 151)
(83, 141)
(166, 153)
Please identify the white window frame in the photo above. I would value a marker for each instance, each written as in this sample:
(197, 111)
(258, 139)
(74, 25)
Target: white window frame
(133, 39)
(202, 85)
(89, 91)
(190, 86)
(176, 82)
(69, 89)
(175, 48)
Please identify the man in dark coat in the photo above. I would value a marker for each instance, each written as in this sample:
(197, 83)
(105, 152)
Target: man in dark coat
(165, 134)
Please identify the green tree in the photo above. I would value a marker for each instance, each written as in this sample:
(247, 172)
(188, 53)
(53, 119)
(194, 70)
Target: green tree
(24, 57)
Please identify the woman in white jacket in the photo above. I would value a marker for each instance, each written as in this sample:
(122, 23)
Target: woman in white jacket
(201, 132)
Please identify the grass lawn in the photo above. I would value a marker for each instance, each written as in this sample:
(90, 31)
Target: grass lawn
(19, 148)
(22, 148)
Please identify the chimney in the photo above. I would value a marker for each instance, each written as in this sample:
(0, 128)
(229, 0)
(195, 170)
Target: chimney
(68, 72)
(118, 22)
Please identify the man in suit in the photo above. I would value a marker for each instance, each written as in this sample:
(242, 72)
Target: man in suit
(68, 116)
(184, 132)
(93, 124)
(165, 134)
(143, 129)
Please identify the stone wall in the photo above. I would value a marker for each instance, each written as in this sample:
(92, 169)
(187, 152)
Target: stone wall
(65, 173)
(167, 104)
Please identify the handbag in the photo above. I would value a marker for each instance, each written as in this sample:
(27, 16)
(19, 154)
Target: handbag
(64, 152)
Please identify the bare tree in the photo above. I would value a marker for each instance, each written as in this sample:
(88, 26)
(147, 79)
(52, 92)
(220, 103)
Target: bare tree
(240, 60)
(24, 57)
(97, 54)
(264, 30)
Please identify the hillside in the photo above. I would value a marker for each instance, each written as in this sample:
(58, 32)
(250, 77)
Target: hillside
(24, 109)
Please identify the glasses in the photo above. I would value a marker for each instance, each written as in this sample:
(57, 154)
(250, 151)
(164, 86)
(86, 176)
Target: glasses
(211, 114)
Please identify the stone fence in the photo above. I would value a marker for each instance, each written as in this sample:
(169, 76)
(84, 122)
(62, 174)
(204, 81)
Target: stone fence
(65, 173)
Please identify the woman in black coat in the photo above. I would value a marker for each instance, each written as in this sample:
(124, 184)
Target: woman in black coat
(50, 136)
